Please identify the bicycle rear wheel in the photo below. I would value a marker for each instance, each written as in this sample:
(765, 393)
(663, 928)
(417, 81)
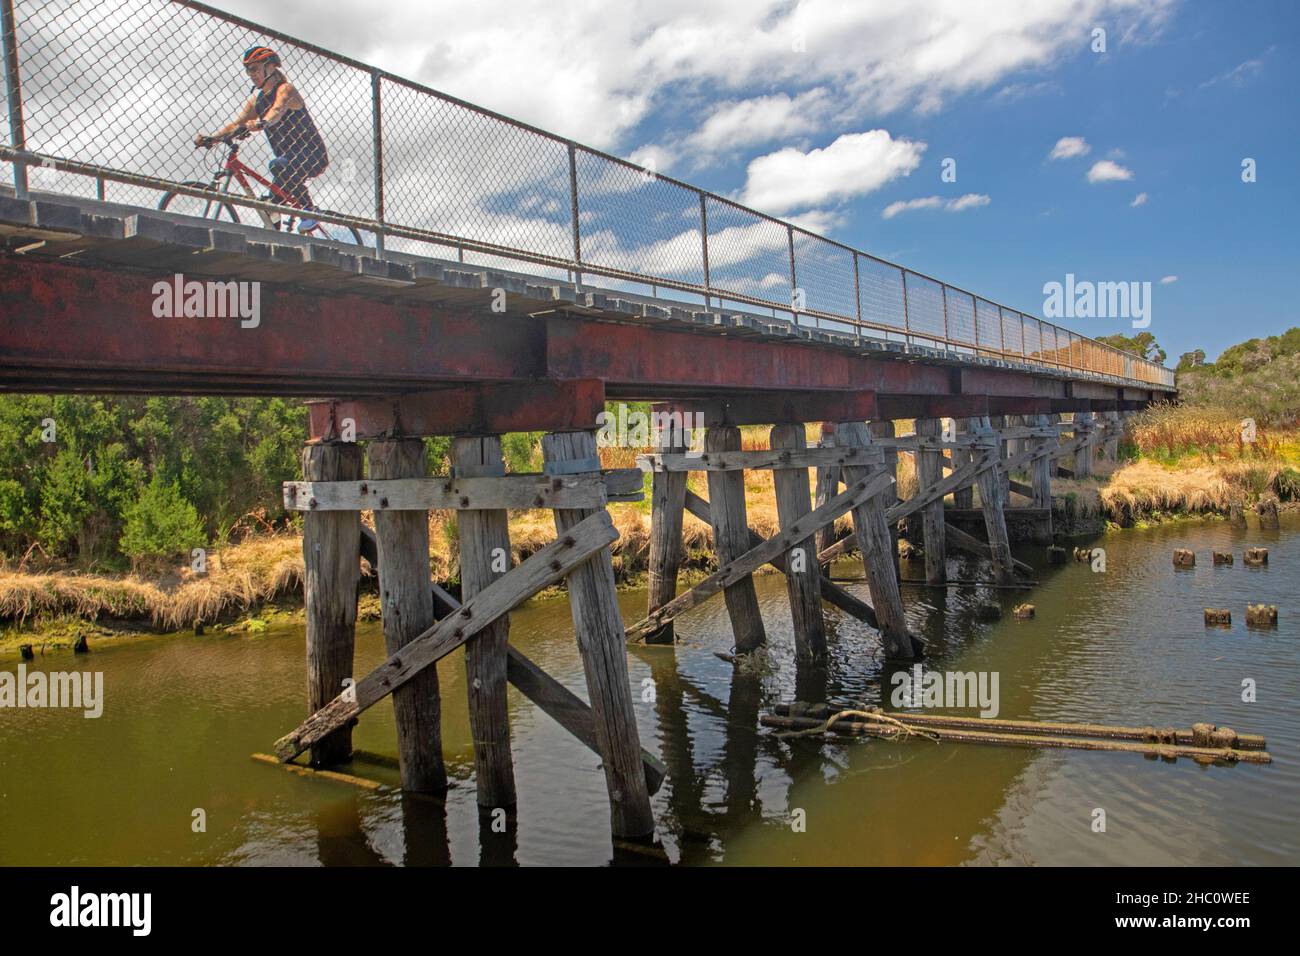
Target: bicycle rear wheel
(200, 208)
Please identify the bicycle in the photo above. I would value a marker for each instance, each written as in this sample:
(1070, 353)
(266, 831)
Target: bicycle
(232, 169)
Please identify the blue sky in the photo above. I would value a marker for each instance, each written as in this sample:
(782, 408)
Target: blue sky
(860, 111)
(1182, 120)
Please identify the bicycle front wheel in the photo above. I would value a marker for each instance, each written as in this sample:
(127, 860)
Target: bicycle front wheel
(199, 207)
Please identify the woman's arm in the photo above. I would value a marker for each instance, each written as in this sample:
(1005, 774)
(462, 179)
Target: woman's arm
(246, 115)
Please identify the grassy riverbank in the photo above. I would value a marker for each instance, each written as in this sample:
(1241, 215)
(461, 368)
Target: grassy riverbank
(1174, 462)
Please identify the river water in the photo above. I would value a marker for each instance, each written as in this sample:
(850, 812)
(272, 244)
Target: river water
(184, 713)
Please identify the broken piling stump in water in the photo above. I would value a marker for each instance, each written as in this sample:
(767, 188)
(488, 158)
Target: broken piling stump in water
(1256, 557)
(1236, 514)
(1267, 511)
(1184, 558)
(1056, 554)
(1218, 616)
(1023, 612)
(988, 611)
(25, 651)
(81, 647)
(1261, 615)
(1222, 557)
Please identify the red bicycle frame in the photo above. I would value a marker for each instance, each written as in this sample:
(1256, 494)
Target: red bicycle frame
(239, 170)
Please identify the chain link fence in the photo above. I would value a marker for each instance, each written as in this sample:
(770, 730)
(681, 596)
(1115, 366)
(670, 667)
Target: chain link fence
(104, 99)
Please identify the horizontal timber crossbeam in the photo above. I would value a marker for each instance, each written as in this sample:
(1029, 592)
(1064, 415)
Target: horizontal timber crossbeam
(509, 492)
(753, 460)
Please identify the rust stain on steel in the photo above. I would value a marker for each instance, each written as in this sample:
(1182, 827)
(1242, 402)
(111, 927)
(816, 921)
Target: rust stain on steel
(639, 354)
(102, 323)
(476, 409)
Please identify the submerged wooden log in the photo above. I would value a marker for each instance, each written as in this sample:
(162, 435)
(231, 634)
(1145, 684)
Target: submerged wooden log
(313, 773)
(860, 728)
(1052, 728)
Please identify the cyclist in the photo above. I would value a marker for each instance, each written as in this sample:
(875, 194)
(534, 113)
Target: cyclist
(278, 109)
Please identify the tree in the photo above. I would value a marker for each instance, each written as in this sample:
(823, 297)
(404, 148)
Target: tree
(1193, 359)
(160, 525)
(1143, 344)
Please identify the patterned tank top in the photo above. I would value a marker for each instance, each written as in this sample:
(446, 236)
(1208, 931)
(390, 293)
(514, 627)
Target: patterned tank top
(295, 136)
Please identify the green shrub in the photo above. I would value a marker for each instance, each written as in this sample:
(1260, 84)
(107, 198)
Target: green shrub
(160, 525)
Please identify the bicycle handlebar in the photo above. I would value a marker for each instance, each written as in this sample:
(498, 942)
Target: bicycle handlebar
(229, 139)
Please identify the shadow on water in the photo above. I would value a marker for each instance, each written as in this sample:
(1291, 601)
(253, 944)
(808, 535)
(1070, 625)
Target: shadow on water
(183, 714)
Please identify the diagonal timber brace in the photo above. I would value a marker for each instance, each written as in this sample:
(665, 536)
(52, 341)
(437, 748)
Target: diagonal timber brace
(546, 567)
(769, 550)
(832, 593)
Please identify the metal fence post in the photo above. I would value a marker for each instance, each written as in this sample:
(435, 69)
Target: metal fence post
(794, 280)
(857, 298)
(377, 157)
(907, 322)
(704, 242)
(947, 339)
(573, 203)
(13, 90)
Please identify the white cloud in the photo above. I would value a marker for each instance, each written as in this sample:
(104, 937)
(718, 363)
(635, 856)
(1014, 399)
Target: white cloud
(656, 159)
(1106, 171)
(1139, 200)
(570, 67)
(853, 165)
(961, 203)
(968, 201)
(738, 123)
(1242, 73)
(907, 205)
(1168, 280)
(1067, 147)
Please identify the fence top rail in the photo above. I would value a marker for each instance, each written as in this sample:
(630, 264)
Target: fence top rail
(1144, 370)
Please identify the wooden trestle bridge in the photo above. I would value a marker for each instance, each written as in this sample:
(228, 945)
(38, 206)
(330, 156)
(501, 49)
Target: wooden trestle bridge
(406, 347)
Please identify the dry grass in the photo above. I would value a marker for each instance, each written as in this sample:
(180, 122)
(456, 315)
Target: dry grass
(239, 578)
(1174, 432)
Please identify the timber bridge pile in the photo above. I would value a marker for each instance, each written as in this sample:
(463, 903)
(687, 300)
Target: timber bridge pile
(473, 333)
